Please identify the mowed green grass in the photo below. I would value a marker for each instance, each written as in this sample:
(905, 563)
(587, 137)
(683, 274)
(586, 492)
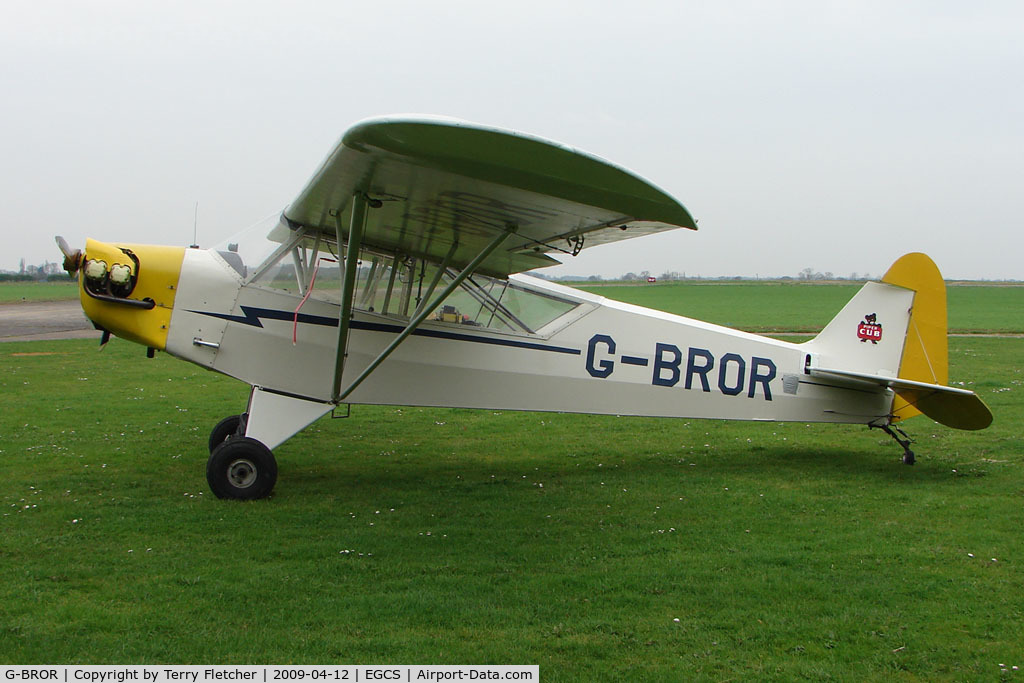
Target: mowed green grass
(37, 291)
(596, 547)
(807, 307)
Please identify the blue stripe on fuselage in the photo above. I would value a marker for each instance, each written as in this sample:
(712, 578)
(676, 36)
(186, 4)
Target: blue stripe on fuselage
(253, 317)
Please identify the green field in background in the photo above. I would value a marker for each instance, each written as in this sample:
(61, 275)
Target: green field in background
(37, 291)
(774, 306)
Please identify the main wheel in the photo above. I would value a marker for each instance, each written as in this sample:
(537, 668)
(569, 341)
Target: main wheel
(241, 468)
(908, 458)
(228, 428)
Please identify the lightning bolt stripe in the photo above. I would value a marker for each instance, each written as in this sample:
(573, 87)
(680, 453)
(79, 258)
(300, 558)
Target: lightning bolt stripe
(254, 316)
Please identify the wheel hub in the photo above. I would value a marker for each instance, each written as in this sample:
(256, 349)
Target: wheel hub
(242, 473)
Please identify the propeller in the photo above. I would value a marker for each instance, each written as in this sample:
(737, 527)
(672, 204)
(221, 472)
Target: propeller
(72, 258)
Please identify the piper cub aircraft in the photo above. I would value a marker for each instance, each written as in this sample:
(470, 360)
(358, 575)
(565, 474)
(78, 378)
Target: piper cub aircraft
(395, 277)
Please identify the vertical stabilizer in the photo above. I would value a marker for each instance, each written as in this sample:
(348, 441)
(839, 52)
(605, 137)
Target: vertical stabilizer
(907, 352)
(926, 351)
(867, 335)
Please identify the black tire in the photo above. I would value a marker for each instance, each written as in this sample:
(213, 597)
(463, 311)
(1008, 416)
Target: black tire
(227, 428)
(908, 458)
(241, 469)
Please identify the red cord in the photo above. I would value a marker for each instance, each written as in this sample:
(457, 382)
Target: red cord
(295, 320)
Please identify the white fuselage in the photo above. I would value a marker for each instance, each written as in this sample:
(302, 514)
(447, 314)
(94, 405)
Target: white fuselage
(602, 357)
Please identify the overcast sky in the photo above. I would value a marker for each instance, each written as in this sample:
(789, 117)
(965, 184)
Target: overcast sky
(830, 135)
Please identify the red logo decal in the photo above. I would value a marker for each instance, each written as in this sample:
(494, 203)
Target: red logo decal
(870, 329)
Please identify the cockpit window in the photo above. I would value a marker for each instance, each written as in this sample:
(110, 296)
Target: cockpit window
(299, 263)
(307, 265)
(483, 301)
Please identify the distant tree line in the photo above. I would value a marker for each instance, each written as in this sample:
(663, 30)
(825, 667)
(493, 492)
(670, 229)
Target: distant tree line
(805, 275)
(48, 272)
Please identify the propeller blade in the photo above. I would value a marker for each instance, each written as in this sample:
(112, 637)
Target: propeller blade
(72, 258)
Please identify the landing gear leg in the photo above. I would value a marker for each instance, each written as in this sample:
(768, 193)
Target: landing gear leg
(896, 433)
(241, 464)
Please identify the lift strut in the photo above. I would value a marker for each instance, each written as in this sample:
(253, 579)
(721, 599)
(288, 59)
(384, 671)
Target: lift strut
(357, 220)
(425, 309)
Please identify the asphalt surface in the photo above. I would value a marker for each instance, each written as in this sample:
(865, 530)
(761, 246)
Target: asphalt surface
(33, 321)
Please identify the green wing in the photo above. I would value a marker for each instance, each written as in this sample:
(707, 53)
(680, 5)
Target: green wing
(442, 182)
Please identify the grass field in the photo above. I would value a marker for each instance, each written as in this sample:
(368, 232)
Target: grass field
(596, 547)
(37, 291)
(793, 307)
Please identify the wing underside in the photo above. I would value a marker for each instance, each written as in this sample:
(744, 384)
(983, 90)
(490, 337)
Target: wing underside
(441, 187)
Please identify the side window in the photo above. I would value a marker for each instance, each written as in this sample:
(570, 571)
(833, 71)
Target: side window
(501, 305)
(309, 266)
(381, 284)
(397, 286)
(302, 263)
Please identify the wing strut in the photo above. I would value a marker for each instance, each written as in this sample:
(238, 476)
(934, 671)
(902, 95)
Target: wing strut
(424, 310)
(422, 303)
(348, 284)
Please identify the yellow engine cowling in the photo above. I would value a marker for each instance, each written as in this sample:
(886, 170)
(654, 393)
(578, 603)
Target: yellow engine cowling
(128, 289)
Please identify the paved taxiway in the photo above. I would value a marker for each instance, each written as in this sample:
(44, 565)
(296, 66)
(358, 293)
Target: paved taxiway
(32, 321)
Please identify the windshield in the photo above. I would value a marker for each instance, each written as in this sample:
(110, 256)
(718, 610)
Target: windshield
(245, 251)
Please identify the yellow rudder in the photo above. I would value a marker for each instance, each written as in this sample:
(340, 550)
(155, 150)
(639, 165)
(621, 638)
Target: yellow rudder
(925, 351)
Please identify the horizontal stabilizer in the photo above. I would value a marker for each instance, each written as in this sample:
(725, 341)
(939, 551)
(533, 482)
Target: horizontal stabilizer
(953, 410)
(953, 407)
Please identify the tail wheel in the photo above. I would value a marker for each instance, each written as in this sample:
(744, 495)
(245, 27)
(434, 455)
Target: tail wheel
(241, 468)
(228, 428)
